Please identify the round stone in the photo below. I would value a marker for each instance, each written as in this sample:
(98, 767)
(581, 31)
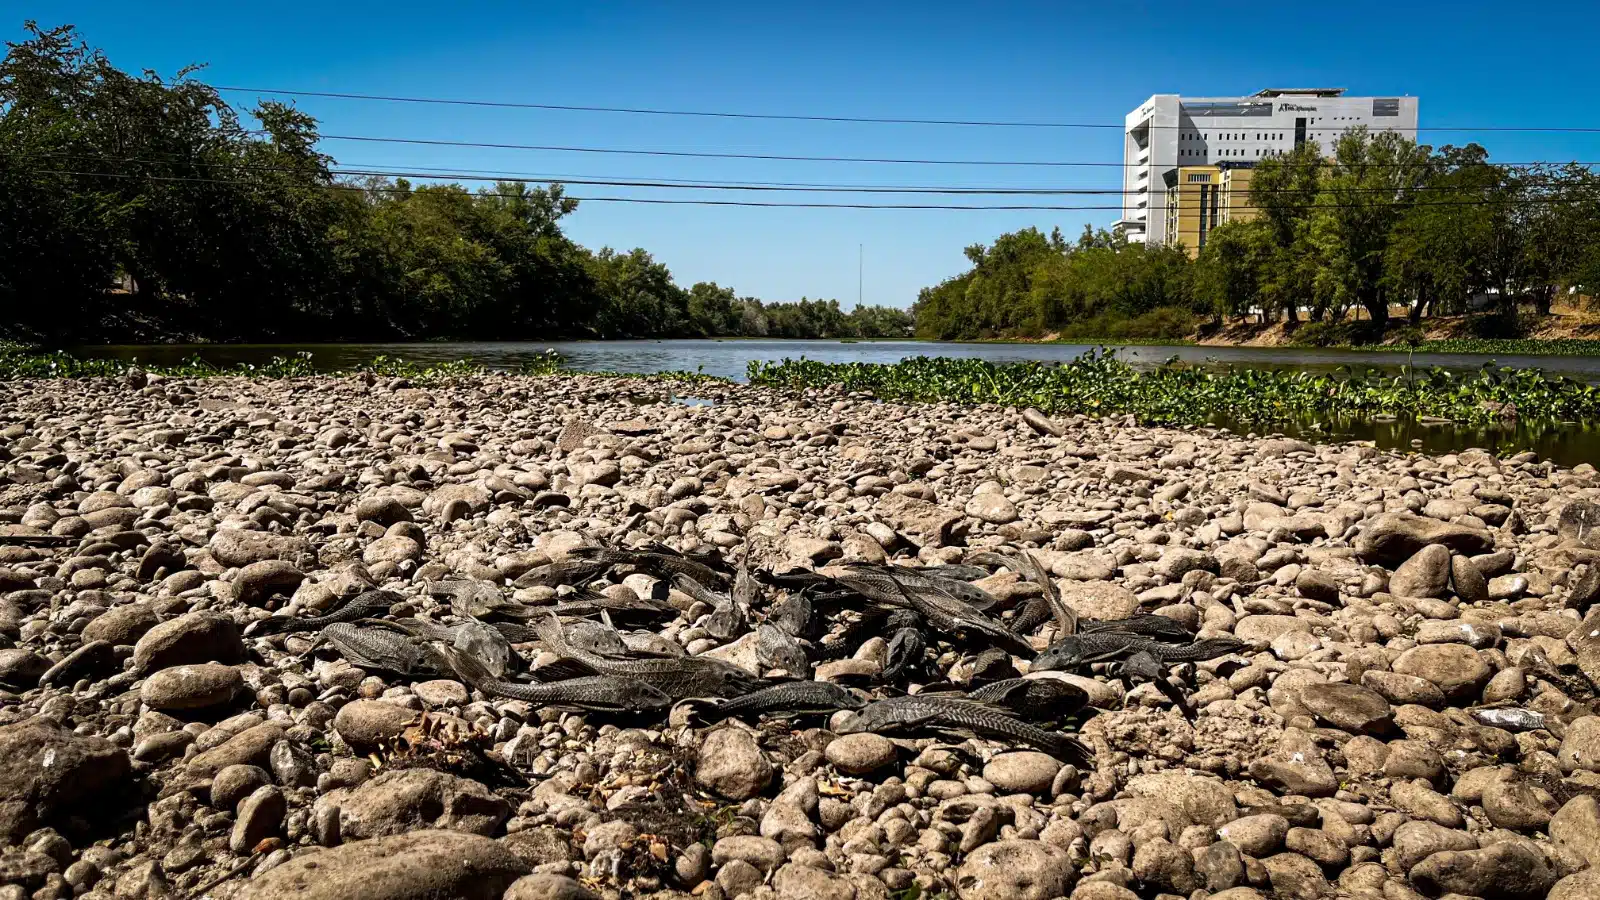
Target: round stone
(1022, 772)
(858, 754)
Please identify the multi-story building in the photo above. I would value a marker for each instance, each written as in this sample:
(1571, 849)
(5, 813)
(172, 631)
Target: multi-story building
(1187, 160)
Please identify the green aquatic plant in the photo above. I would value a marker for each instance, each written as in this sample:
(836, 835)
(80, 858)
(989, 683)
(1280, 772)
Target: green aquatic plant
(1101, 385)
(1496, 346)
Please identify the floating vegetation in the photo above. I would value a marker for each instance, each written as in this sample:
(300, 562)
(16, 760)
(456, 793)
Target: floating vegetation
(1496, 346)
(1099, 384)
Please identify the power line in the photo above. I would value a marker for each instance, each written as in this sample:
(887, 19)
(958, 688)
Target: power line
(807, 205)
(785, 117)
(705, 154)
(680, 184)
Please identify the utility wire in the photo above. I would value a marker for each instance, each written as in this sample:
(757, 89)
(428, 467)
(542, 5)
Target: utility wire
(874, 120)
(804, 205)
(597, 181)
(793, 158)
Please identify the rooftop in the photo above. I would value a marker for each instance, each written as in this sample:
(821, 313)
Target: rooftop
(1301, 92)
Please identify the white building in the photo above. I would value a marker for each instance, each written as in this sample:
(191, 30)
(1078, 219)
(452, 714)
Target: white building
(1168, 131)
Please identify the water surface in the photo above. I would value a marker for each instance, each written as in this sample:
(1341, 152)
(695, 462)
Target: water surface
(729, 358)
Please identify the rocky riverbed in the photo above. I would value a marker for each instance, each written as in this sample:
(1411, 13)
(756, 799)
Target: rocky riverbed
(1411, 712)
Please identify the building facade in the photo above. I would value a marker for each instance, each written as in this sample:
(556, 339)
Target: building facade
(1186, 160)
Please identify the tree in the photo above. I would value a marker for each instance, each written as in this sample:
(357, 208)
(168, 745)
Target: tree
(1433, 256)
(1234, 269)
(642, 299)
(1370, 182)
(713, 309)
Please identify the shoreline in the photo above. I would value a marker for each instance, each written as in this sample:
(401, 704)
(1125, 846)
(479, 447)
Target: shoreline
(1454, 346)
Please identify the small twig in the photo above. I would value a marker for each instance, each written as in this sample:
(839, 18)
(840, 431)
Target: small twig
(238, 867)
(38, 540)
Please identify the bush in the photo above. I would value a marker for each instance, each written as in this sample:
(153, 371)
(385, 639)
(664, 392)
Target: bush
(1166, 323)
(1502, 324)
(1409, 336)
(1335, 334)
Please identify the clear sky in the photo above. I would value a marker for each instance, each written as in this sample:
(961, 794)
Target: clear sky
(1471, 63)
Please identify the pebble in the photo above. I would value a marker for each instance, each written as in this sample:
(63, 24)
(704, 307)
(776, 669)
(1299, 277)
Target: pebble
(731, 764)
(192, 687)
(419, 864)
(858, 754)
(1330, 757)
(1022, 772)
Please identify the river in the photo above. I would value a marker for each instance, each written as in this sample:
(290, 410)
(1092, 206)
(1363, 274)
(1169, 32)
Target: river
(729, 358)
(1566, 443)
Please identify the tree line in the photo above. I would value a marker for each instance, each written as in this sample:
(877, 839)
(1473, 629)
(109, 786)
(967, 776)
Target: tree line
(136, 204)
(1378, 223)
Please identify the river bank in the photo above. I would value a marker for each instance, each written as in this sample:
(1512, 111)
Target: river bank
(1401, 711)
(1569, 332)
(1440, 404)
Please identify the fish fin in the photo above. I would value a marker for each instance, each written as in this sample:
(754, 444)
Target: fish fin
(1010, 693)
(993, 706)
(562, 670)
(421, 628)
(382, 625)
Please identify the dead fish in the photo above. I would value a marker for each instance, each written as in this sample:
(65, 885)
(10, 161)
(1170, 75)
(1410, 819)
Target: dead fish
(1510, 718)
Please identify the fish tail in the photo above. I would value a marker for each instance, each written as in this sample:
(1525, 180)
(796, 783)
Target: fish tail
(269, 625)
(1069, 750)
(468, 667)
(551, 635)
(704, 709)
(1066, 616)
(1215, 647)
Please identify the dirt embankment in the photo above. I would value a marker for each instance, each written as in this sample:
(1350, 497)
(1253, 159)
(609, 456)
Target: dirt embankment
(1562, 324)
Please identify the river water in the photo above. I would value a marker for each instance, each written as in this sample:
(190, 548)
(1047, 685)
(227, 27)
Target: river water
(1566, 443)
(729, 358)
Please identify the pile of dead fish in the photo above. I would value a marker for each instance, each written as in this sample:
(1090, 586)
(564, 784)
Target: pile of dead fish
(600, 656)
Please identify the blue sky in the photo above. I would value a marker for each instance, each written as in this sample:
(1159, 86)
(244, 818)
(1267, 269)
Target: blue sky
(1477, 64)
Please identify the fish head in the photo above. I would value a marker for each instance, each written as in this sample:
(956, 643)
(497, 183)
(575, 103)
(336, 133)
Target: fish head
(1064, 655)
(903, 620)
(651, 698)
(734, 681)
(852, 722)
(848, 699)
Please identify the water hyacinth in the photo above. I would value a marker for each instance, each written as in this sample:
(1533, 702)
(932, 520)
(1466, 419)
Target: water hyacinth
(1496, 346)
(1098, 384)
